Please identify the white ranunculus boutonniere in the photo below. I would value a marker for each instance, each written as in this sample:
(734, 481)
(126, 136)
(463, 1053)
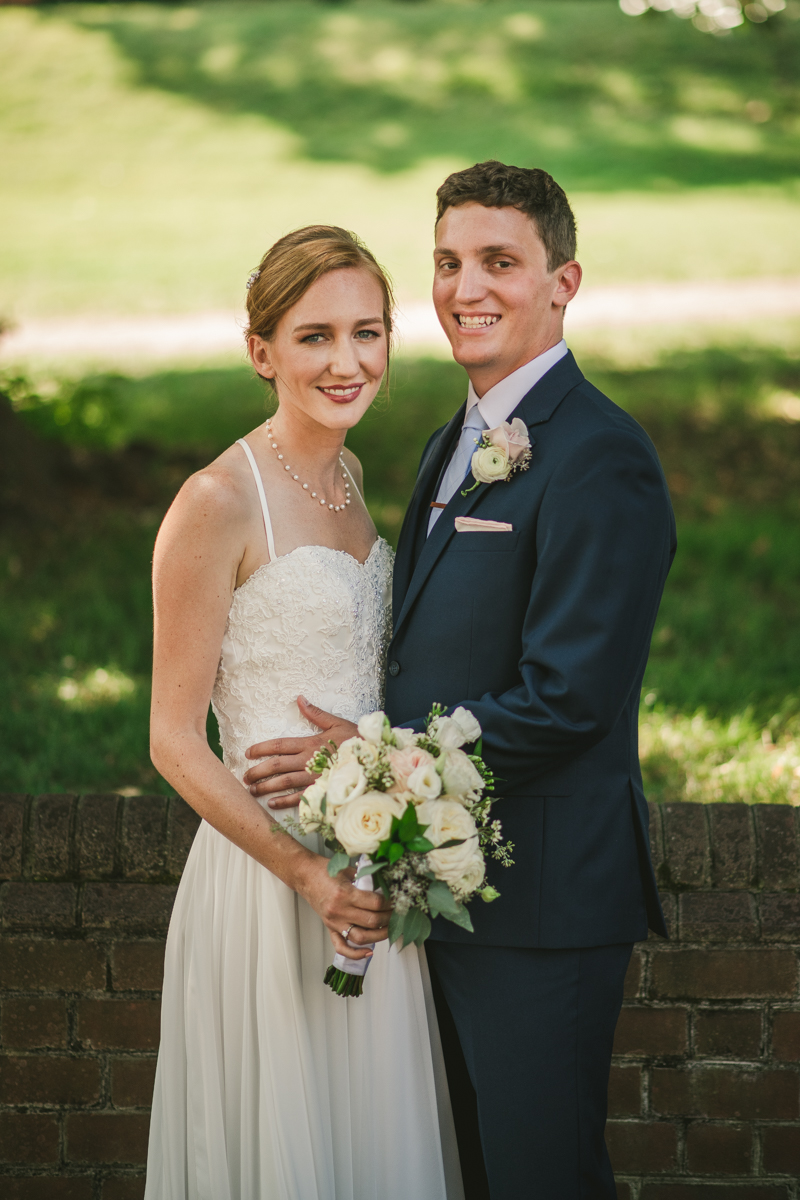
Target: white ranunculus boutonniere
(501, 453)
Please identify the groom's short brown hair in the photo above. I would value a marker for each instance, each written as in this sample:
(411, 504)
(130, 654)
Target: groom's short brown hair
(497, 185)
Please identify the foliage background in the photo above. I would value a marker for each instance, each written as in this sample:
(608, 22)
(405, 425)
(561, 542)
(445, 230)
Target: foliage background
(152, 151)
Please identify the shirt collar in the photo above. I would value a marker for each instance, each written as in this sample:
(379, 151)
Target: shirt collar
(497, 405)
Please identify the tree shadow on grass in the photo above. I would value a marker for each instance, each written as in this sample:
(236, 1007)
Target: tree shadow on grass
(603, 101)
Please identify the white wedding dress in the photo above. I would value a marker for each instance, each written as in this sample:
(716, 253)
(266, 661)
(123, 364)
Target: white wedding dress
(269, 1086)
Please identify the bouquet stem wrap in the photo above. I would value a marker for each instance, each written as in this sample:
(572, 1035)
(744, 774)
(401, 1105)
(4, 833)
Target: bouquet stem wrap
(346, 976)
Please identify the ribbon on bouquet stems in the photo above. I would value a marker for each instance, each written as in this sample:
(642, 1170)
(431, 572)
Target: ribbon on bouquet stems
(346, 976)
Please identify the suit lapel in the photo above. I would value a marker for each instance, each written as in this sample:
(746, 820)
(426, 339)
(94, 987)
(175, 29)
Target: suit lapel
(536, 407)
(418, 511)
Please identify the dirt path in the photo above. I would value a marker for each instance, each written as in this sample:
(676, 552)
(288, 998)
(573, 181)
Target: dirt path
(111, 339)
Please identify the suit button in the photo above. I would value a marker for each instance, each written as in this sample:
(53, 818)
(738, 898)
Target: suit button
(394, 667)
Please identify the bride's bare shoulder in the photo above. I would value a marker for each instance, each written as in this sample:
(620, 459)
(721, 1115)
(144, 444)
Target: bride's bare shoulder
(219, 495)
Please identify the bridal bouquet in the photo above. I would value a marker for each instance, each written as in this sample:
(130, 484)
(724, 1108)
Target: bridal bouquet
(415, 809)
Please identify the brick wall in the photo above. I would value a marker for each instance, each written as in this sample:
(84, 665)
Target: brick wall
(705, 1087)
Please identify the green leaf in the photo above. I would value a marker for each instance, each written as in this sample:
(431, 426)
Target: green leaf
(442, 900)
(396, 923)
(419, 845)
(416, 927)
(396, 851)
(452, 842)
(478, 751)
(460, 917)
(338, 863)
(383, 849)
(425, 932)
(408, 823)
(370, 869)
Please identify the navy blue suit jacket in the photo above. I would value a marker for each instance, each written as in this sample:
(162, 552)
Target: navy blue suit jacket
(543, 633)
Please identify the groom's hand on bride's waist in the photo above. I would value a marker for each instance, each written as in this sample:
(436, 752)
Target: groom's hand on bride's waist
(283, 764)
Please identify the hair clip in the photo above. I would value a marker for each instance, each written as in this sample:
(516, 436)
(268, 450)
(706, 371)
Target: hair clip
(252, 278)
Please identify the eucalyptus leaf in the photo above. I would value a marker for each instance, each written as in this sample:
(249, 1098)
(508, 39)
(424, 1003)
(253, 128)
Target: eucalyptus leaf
(460, 917)
(442, 900)
(425, 931)
(396, 923)
(370, 869)
(452, 842)
(339, 862)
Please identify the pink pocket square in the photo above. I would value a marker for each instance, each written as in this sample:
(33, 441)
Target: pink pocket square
(475, 525)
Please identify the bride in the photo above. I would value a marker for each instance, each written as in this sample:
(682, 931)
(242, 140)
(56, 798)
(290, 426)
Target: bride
(271, 585)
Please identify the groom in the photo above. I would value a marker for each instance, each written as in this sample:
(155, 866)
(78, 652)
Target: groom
(542, 630)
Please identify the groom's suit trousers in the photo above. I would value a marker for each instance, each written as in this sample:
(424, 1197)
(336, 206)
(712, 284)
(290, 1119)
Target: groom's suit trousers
(527, 1036)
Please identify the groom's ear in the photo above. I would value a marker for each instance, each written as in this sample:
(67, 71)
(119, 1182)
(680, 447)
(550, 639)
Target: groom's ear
(260, 357)
(568, 280)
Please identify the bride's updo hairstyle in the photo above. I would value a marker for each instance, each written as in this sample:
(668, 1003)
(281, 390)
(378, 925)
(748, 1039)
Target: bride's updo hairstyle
(297, 261)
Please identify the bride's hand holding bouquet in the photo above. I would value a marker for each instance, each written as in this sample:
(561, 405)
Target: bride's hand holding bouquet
(414, 808)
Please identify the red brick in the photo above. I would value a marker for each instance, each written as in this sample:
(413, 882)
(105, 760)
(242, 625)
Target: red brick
(732, 845)
(655, 1032)
(712, 1191)
(625, 1091)
(28, 1138)
(718, 917)
(30, 966)
(107, 1137)
(786, 1036)
(41, 906)
(12, 820)
(145, 906)
(49, 1080)
(642, 1146)
(96, 835)
(780, 916)
(731, 1033)
(719, 1092)
(123, 1187)
(49, 835)
(132, 1082)
(781, 1153)
(724, 974)
(686, 844)
(778, 852)
(137, 966)
(30, 1023)
(48, 1188)
(633, 977)
(719, 1149)
(119, 1024)
(144, 836)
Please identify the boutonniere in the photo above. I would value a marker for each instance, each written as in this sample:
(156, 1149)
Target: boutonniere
(501, 453)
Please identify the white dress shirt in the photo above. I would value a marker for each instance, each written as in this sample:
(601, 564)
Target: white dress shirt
(497, 405)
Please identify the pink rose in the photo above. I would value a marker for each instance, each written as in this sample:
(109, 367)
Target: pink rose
(404, 762)
(512, 439)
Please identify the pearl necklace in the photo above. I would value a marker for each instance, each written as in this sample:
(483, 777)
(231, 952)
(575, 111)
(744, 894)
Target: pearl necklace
(314, 496)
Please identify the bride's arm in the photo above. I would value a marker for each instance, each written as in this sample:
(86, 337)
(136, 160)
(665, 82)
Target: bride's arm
(198, 551)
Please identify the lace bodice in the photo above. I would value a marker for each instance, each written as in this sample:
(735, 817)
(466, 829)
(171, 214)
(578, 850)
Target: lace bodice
(314, 622)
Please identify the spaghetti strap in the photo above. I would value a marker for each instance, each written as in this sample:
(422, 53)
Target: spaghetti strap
(355, 485)
(264, 507)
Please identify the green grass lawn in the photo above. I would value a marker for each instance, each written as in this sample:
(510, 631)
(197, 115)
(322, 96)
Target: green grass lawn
(151, 153)
(721, 700)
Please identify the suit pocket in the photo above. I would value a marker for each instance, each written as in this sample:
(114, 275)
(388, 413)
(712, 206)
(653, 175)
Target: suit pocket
(485, 543)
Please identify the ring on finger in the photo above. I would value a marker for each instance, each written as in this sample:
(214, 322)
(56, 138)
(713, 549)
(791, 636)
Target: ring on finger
(346, 932)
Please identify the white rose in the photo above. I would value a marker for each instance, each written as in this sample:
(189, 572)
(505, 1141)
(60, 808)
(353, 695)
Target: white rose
(346, 782)
(310, 812)
(512, 439)
(371, 727)
(459, 775)
(453, 731)
(448, 820)
(467, 723)
(425, 781)
(362, 824)
(490, 464)
(403, 738)
(472, 877)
